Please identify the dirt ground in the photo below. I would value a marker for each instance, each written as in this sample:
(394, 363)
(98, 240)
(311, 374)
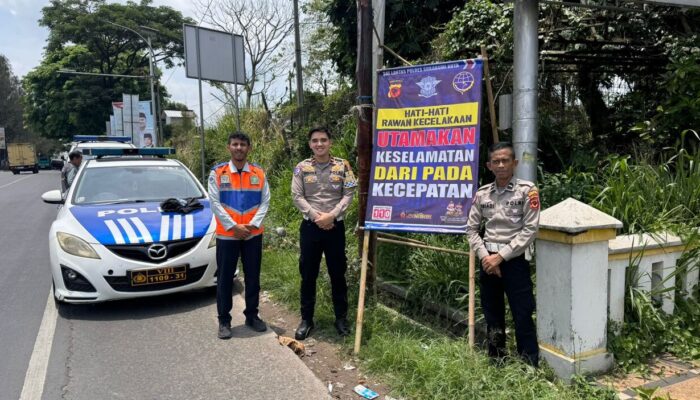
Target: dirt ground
(323, 355)
(663, 372)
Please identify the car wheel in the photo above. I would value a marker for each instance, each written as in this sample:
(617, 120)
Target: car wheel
(15, 172)
(35, 171)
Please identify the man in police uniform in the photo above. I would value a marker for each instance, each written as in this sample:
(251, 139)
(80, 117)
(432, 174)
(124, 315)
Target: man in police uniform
(322, 189)
(510, 210)
(240, 198)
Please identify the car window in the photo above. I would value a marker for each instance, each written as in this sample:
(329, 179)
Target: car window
(134, 183)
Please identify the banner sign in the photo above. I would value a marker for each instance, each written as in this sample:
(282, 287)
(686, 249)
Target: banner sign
(144, 126)
(426, 148)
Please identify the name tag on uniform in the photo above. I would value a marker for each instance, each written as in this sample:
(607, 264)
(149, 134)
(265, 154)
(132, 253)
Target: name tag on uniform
(310, 179)
(254, 180)
(225, 179)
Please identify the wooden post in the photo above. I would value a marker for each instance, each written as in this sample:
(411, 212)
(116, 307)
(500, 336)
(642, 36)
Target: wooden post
(489, 92)
(472, 274)
(361, 299)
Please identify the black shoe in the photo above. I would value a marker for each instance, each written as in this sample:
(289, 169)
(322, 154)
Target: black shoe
(341, 326)
(256, 324)
(225, 331)
(304, 329)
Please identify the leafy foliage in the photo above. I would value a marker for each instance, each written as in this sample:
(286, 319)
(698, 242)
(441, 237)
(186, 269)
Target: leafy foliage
(82, 37)
(10, 101)
(409, 27)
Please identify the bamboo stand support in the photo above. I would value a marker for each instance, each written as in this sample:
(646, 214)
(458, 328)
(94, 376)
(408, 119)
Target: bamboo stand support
(472, 268)
(361, 299)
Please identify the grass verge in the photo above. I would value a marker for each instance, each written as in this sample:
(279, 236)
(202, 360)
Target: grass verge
(418, 362)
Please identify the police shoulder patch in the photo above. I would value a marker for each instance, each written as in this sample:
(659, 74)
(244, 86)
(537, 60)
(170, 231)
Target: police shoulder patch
(534, 198)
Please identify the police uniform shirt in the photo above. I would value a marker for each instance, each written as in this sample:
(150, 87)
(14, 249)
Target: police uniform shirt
(220, 212)
(326, 188)
(510, 216)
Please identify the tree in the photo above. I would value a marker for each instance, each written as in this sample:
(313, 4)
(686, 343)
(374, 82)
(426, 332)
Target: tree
(611, 67)
(410, 26)
(265, 26)
(83, 37)
(10, 101)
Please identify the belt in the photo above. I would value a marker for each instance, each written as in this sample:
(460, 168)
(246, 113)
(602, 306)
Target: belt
(494, 247)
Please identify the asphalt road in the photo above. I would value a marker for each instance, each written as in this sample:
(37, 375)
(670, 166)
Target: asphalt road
(153, 348)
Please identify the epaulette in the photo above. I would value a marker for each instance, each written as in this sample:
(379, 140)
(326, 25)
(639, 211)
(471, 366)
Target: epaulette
(219, 165)
(523, 182)
(488, 186)
(256, 165)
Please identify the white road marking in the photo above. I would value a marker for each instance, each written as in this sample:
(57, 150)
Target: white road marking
(118, 237)
(20, 179)
(35, 377)
(145, 234)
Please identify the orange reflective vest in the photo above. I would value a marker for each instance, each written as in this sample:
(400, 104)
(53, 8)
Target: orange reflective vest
(240, 193)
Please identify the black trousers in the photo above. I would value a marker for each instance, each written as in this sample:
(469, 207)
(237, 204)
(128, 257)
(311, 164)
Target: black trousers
(227, 254)
(314, 242)
(516, 283)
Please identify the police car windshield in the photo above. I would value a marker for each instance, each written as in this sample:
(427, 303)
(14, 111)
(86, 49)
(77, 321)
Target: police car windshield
(125, 184)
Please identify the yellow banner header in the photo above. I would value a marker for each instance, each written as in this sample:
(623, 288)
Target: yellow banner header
(462, 114)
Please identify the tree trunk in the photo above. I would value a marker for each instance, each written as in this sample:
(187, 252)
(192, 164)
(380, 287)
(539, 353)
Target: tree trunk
(593, 102)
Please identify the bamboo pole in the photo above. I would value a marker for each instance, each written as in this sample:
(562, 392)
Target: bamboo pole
(489, 92)
(472, 283)
(397, 237)
(423, 246)
(361, 299)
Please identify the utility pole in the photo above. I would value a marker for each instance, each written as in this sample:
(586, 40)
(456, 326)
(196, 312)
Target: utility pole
(364, 101)
(156, 117)
(525, 88)
(297, 51)
(291, 97)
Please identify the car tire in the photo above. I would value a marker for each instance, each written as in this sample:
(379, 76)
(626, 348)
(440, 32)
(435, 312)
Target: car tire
(35, 171)
(15, 172)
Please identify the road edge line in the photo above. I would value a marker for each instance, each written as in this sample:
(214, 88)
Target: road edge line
(35, 377)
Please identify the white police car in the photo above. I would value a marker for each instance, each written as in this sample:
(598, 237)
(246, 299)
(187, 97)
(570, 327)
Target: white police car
(111, 240)
(85, 144)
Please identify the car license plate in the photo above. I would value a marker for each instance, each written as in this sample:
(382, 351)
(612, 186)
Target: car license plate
(158, 275)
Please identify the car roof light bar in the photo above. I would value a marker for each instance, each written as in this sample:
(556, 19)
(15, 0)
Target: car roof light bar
(147, 151)
(101, 138)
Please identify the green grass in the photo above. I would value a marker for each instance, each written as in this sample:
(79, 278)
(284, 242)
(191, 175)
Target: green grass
(416, 361)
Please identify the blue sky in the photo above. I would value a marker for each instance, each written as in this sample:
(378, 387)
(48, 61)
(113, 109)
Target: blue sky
(22, 41)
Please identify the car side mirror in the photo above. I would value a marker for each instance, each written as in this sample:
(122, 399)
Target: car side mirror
(53, 197)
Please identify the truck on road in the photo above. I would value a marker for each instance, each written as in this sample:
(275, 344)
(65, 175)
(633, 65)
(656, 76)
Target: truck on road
(22, 157)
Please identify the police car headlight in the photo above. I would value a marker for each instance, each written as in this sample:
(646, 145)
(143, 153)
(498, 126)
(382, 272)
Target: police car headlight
(76, 246)
(212, 242)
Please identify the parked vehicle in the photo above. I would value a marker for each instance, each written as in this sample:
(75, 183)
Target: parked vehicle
(22, 157)
(44, 162)
(111, 240)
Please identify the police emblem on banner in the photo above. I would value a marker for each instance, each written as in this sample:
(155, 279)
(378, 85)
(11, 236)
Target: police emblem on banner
(427, 86)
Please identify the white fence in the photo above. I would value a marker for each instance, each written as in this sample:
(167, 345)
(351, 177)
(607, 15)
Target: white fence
(655, 258)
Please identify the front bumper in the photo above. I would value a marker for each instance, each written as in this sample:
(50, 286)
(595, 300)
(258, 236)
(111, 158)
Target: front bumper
(109, 276)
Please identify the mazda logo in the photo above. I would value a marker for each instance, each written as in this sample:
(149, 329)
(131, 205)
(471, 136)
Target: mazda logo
(157, 251)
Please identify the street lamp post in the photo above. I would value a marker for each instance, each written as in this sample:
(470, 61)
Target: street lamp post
(151, 75)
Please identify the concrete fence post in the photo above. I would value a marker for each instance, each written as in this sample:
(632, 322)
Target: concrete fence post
(572, 287)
